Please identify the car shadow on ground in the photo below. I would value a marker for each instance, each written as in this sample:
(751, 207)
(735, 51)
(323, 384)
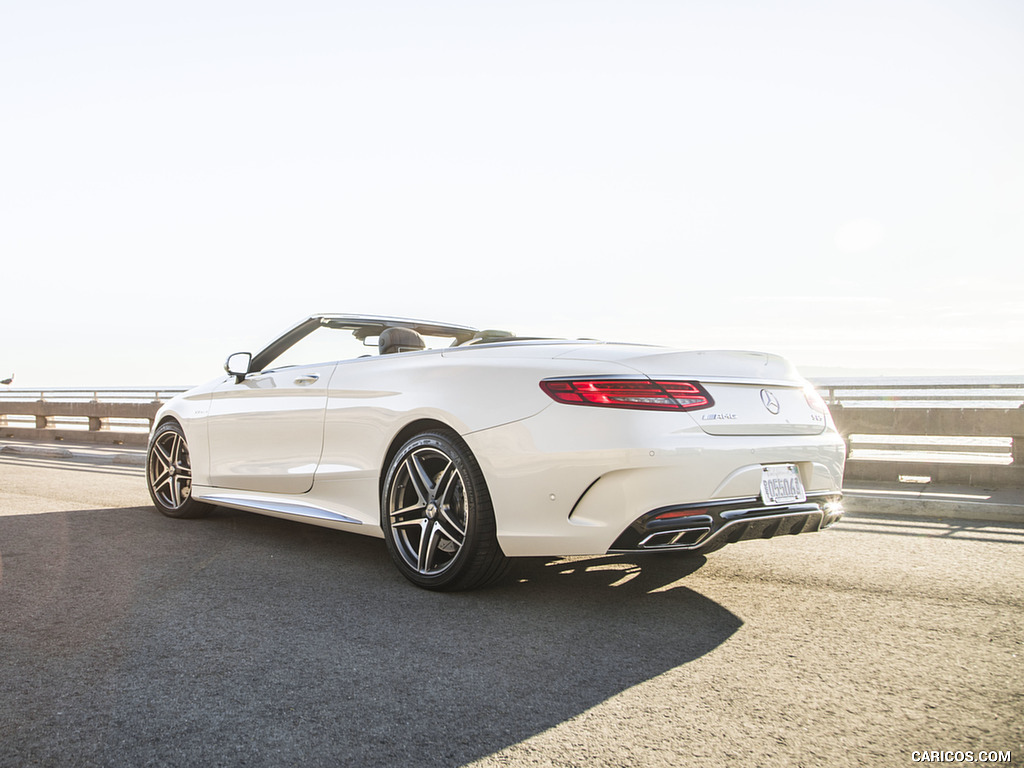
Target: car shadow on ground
(133, 639)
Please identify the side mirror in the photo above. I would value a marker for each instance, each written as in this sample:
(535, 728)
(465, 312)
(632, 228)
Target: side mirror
(237, 365)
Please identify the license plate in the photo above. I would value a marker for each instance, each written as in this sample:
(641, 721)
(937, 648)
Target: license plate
(780, 484)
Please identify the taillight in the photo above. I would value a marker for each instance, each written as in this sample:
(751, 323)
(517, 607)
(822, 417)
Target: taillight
(679, 513)
(815, 400)
(641, 394)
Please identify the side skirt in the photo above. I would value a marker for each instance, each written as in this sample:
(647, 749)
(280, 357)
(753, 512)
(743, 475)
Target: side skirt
(299, 511)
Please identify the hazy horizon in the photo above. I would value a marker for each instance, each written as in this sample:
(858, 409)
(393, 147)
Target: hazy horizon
(840, 184)
(808, 371)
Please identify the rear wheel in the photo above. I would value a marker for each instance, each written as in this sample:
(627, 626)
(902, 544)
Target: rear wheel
(437, 515)
(169, 474)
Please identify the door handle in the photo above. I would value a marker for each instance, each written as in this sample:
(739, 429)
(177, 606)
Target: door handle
(312, 378)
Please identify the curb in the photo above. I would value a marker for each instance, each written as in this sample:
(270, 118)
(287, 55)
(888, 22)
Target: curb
(88, 453)
(38, 450)
(131, 459)
(858, 502)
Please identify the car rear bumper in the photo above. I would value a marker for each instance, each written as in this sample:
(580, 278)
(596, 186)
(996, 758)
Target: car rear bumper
(575, 481)
(702, 526)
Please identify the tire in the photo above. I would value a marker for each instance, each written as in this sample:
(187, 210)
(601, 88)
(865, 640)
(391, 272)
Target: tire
(169, 474)
(437, 516)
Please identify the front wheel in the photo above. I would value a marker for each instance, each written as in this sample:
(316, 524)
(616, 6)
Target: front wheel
(169, 474)
(437, 515)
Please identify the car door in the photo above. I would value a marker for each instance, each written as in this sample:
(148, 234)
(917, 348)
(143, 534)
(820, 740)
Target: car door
(266, 432)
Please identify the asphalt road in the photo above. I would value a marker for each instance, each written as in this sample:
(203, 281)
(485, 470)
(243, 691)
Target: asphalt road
(129, 639)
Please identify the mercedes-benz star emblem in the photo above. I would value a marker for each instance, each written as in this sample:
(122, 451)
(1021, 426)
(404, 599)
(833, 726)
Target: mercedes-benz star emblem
(771, 402)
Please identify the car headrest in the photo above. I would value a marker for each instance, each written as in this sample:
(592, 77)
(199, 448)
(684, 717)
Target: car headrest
(399, 340)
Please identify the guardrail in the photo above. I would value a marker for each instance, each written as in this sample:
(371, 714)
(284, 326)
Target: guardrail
(978, 447)
(118, 416)
(948, 433)
(975, 392)
(951, 433)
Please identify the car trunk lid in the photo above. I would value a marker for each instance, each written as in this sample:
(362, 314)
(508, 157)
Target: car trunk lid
(755, 393)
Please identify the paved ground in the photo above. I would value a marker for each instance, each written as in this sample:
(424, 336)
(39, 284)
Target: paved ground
(129, 639)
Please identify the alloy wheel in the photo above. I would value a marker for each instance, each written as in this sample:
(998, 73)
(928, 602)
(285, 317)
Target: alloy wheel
(170, 472)
(428, 506)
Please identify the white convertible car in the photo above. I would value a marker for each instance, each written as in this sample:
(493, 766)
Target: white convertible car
(464, 448)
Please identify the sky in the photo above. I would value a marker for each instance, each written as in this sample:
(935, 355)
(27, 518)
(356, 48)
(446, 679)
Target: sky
(838, 182)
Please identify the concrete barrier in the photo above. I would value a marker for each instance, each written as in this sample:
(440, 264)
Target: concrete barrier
(57, 421)
(104, 416)
(964, 463)
(124, 416)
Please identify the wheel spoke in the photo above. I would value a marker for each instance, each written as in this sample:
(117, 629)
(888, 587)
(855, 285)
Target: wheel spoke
(417, 507)
(451, 528)
(450, 496)
(160, 477)
(161, 456)
(161, 482)
(429, 540)
(181, 462)
(408, 512)
(174, 448)
(445, 481)
(419, 478)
